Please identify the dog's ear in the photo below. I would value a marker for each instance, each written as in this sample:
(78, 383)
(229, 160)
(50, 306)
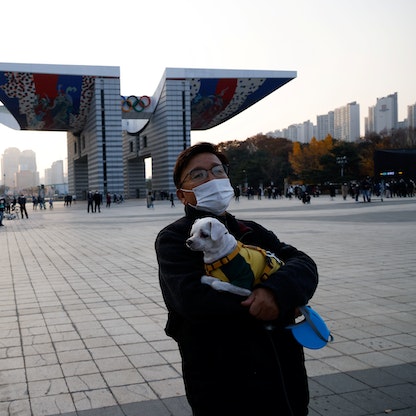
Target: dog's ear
(217, 230)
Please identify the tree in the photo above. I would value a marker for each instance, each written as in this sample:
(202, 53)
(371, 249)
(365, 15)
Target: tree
(262, 160)
(306, 160)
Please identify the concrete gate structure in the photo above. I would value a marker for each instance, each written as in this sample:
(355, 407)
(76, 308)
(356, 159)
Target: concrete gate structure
(110, 136)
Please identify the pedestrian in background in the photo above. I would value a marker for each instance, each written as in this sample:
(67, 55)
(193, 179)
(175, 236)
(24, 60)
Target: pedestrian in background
(22, 202)
(97, 201)
(90, 201)
(2, 208)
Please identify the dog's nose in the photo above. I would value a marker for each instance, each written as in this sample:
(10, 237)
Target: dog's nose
(188, 242)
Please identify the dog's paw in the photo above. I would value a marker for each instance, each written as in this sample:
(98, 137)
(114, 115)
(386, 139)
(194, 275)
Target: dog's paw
(208, 280)
(221, 286)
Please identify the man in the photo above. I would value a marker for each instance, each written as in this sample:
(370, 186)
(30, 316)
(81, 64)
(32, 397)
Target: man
(90, 202)
(237, 356)
(22, 202)
(97, 201)
(2, 208)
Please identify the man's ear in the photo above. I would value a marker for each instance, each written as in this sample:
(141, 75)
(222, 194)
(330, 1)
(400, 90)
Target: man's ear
(180, 195)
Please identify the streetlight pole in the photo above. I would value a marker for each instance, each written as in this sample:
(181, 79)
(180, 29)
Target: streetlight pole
(246, 179)
(342, 160)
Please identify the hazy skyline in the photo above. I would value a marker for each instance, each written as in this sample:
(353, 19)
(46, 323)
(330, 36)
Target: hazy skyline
(343, 51)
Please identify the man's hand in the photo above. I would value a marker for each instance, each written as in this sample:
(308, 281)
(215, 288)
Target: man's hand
(262, 305)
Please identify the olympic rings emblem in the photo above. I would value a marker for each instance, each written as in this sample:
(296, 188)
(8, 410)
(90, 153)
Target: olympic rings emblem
(134, 103)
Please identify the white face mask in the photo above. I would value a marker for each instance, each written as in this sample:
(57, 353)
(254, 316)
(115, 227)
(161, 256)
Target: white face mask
(213, 196)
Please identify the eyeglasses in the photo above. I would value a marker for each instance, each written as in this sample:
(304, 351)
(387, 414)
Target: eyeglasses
(199, 175)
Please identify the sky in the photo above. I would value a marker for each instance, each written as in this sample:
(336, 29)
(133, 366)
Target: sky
(342, 51)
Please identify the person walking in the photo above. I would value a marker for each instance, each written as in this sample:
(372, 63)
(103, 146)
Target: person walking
(90, 201)
(108, 200)
(22, 203)
(149, 200)
(2, 208)
(238, 358)
(97, 201)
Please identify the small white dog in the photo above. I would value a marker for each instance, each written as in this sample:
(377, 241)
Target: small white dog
(230, 265)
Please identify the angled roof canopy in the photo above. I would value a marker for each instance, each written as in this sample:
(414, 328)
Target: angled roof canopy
(57, 97)
(50, 97)
(219, 94)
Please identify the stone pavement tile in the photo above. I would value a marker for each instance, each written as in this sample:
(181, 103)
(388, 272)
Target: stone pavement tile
(405, 354)
(131, 393)
(61, 403)
(178, 406)
(319, 367)
(91, 399)
(375, 377)
(123, 377)
(316, 389)
(349, 347)
(74, 356)
(405, 372)
(373, 400)
(15, 391)
(159, 372)
(113, 363)
(405, 393)
(336, 405)
(340, 383)
(124, 339)
(154, 408)
(142, 361)
(47, 387)
(11, 363)
(79, 368)
(378, 359)
(106, 352)
(168, 387)
(137, 349)
(86, 382)
(44, 372)
(345, 363)
(15, 407)
(38, 360)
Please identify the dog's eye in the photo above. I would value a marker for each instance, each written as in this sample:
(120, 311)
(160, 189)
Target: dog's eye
(204, 235)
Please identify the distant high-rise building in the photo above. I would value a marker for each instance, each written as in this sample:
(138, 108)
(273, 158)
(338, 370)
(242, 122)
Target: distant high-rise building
(347, 122)
(25, 179)
(27, 161)
(307, 132)
(27, 175)
(344, 122)
(369, 121)
(293, 132)
(19, 169)
(383, 117)
(54, 176)
(411, 116)
(9, 166)
(325, 125)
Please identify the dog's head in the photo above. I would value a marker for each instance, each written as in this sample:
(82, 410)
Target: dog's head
(205, 234)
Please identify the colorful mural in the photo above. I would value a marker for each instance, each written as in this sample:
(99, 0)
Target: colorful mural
(214, 101)
(47, 101)
(59, 102)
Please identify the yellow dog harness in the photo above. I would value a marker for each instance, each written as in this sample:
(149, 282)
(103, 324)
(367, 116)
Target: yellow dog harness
(246, 266)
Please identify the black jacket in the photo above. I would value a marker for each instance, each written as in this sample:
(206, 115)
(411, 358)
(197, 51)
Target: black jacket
(231, 364)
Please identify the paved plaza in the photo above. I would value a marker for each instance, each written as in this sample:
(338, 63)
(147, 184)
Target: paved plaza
(82, 317)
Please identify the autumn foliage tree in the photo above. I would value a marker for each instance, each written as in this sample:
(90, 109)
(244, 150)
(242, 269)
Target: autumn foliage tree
(262, 160)
(306, 160)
